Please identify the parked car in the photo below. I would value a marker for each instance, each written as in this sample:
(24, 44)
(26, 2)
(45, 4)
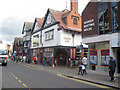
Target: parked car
(3, 58)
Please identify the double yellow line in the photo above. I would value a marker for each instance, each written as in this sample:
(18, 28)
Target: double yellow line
(19, 80)
(100, 86)
(28, 66)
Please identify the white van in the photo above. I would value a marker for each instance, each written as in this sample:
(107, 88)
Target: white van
(3, 58)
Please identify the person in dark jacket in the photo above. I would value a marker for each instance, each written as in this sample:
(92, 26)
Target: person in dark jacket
(112, 67)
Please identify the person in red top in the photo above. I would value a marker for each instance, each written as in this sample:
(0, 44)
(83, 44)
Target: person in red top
(35, 60)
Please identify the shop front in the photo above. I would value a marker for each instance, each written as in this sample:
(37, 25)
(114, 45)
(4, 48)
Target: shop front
(61, 57)
(99, 56)
(101, 32)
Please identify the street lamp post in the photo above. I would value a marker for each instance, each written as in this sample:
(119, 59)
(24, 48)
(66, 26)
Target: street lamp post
(81, 49)
(73, 35)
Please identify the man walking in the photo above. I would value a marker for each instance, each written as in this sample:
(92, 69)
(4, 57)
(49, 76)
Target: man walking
(112, 67)
(84, 61)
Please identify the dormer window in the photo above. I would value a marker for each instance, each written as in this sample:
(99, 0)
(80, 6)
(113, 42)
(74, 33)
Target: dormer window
(75, 21)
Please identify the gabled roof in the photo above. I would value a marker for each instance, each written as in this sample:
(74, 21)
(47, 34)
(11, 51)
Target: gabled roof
(58, 16)
(66, 14)
(27, 26)
(65, 10)
(39, 21)
(18, 39)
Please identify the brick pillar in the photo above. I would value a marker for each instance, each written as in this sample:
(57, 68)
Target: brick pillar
(72, 53)
(43, 56)
(31, 54)
(38, 53)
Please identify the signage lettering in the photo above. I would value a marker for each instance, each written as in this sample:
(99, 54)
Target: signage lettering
(67, 39)
(88, 25)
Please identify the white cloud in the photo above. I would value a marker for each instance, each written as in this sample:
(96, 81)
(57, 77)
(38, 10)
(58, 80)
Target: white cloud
(15, 12)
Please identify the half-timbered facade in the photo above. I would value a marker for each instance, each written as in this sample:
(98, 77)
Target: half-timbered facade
(59, 36)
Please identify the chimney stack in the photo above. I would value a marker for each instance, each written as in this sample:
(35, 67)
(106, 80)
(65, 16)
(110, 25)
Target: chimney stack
(74, 6)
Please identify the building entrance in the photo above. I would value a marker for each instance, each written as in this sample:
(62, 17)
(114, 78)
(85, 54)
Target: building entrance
(61, 57)
(118, 60)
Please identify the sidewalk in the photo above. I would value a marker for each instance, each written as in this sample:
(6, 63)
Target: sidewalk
(92, 76)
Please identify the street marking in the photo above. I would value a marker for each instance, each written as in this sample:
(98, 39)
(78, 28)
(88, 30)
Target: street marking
(60, 75)
(24, 85)
(13, 75)
(20, 81)
(29, 67)
(16, 78)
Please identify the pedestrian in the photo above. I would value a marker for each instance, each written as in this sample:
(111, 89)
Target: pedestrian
(45, 62)
(35, 60)
(24, 59)
(80, 68)
(17, 57)
(83, 69)
(84, 61)
(112, 67)
(21, 58)
(55, 62)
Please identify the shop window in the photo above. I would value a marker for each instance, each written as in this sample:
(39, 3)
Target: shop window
(103, 22)
(34, 52)
(48, 54)
(115, 18)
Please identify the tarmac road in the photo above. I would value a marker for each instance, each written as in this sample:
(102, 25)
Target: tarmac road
(18, 76)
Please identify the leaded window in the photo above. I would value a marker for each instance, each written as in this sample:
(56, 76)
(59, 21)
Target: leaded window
(115, 18)
(103, 22)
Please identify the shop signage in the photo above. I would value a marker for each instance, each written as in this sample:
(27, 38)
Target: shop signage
(88, 25)
(67, 39)
(93, 57)
(105, 57)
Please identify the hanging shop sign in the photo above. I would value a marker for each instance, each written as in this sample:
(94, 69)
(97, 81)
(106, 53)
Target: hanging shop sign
(93, 57)
(105, 57)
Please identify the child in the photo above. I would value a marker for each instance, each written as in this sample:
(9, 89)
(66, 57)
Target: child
(81, 69)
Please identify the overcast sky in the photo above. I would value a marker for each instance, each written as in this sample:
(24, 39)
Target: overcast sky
(13, 13)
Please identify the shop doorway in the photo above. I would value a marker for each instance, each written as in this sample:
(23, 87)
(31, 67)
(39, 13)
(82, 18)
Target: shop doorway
(61, 57)
(118, 60)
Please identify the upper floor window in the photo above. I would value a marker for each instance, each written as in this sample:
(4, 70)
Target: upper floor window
(75, 21)
(27, 33)
(36, 41)
(26, 44)
(115, 18)
(103, 22)
(49, 35)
